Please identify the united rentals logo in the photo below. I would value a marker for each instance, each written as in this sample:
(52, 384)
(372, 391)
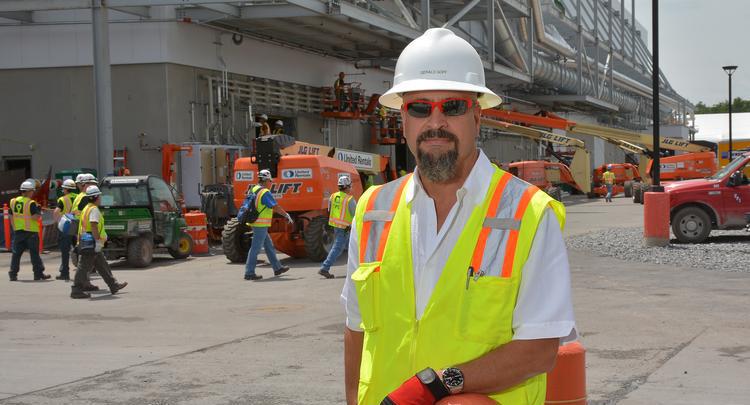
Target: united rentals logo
(296, 174)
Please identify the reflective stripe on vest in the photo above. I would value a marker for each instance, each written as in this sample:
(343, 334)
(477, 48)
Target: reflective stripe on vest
(340, 216)
(20, 209)
(265, 214)
(459, 323)
(67, 202)
(76, 212)
(84, 225)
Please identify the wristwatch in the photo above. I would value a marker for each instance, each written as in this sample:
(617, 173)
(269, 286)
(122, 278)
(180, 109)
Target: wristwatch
(453, 379)
(430, 379)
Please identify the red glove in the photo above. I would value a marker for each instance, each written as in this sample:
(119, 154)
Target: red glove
(425, 388)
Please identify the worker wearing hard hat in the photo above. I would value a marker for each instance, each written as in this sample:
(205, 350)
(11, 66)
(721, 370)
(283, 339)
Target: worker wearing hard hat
(278, 127)
(468, 253)
(609, 181)
(266, 206)
(339, 90)
(91, 239)
(86, 180)
(25, 216)
(64, 241)
(265, 129)
(341, 207)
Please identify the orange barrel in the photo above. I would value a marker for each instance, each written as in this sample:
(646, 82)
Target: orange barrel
(196, 228)
(566, 383)
(656, 219)
(6, 226)
(467, 399)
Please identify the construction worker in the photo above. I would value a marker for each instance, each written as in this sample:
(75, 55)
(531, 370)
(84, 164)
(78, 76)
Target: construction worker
(458, 278)
(266, 206)
(25, 216)
(265, 129)
(91, 239)
(341, 208)
(64, 241)
(86, 180)
(609, 181)
(278, 127)
(339, 89)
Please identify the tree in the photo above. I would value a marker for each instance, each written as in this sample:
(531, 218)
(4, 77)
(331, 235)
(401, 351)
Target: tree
(738, 105)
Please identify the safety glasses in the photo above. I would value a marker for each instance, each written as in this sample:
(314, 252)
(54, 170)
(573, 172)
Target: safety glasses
(450, 107)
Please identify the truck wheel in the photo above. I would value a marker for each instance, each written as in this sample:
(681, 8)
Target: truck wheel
(140, 251)
(691, 225)
(318, 238)
(184, 247)
(236, 240)
(628, 186)
(636, 191)
(644, 188)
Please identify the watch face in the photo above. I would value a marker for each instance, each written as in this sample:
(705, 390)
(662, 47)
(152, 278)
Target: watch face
(453, 378)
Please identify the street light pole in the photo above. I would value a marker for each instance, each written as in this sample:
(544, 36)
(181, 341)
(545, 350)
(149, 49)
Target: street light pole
(730, 70)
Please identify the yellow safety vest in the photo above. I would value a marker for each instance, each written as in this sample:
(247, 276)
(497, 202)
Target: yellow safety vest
(340, 216)
(609, 177)
(265, 214)
(20, 209)
(459, 324)
(67, 202)
(76, 212)
(84, 225)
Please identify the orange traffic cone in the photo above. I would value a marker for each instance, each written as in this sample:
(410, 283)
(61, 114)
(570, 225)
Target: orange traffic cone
(566, 383)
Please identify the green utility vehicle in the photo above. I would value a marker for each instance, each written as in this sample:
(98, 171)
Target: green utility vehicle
(141, 216)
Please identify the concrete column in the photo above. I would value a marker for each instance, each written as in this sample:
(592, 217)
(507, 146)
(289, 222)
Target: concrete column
(103, 86)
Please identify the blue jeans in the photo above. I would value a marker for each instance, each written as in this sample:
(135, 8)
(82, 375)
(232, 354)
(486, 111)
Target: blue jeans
(340, 239)
(23, 240)
(609, 192)
(64, 242)
(260, 239)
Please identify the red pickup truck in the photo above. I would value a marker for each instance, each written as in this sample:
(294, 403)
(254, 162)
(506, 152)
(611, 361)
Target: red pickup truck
(721, 201)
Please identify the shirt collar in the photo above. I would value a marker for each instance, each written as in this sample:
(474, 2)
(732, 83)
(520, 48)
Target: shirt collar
(474, 187)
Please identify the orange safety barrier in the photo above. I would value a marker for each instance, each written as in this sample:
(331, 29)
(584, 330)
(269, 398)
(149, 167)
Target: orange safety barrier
(41, 234)
(467, 399)
(656, 219)
(6, 225)
(566, 383)
(197, 229)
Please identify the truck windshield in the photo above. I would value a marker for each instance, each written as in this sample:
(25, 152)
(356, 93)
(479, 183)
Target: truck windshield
(124, 196)
(730, 168)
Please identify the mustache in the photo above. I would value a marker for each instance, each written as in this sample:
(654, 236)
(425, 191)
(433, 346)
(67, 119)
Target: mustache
(436, 133)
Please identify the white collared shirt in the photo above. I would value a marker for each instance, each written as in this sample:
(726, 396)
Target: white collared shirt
(543, 309)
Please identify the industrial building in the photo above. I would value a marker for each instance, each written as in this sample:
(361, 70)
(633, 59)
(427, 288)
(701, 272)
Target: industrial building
(82, 84)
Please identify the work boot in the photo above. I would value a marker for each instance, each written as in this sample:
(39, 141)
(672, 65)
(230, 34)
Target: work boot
(13, 276)
(90, 288)
(281, 270)
(325, 274)
(117, 287)
(61, 276)
(79, 295)
(39, 277)
(254, 277)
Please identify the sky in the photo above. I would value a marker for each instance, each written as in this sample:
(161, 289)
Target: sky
(697, 38)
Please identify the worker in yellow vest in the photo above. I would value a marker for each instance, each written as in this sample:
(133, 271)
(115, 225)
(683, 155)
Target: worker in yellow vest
(25, 215)
(609, 181)
(86, 180)
(278, 127)
(265, 129)
(458, 278)
(341, 207)
(91, 239)
(64, 241)
(266, 206)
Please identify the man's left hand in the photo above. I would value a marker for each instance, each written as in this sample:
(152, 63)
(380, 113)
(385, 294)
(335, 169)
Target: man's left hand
(412, 392)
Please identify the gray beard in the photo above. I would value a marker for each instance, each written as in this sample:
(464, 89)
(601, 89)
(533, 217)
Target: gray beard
(438, 169)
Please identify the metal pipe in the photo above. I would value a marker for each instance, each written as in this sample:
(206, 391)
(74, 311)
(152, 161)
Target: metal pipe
(103, 86)
(655, 167)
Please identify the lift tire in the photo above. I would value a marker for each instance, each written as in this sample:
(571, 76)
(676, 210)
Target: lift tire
(592, 195)
(644, 189)
(318, 238)
(140, 251)
(691, 225)
(628, 189)
(183, 249)
(236, 240)
(636, 191)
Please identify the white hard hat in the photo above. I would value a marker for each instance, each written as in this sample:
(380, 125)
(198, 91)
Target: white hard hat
(90, 178)
(81, 177)
(344, 180)
(264, 116)
(439, 60)
(27, 186)
(69, 184)
(93, 191)
(280, 122)
(264, 174)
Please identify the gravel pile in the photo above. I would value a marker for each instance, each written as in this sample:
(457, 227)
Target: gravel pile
(724, 250)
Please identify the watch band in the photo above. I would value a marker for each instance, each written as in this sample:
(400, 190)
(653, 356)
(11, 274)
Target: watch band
(430, 379)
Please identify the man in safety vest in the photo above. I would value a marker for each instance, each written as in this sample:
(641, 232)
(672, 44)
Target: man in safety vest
(458, 274)
(86, 180)
(609, 181)
(64, 241)
(266, 206)
(278, 127)
(341, 207)
(91, 239)
(265, 129)
(25, 215)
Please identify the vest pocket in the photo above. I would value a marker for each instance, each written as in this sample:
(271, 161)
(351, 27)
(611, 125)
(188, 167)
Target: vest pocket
(367, 283)
(485, 310)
